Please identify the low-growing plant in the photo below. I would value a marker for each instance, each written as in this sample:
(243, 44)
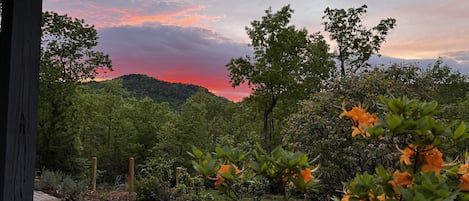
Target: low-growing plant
(72, 189)
(50, 180)
(62, 185)
(285, 172)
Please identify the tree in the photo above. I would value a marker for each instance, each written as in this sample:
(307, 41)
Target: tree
(68, 46)
(202, 122)
(67, 58)
(355, 42)
(287, 63)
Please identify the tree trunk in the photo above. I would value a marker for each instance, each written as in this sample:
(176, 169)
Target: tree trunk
(342, 61)
(267, 112)
(264, 131)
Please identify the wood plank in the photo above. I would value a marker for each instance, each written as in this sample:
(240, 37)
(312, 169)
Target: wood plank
(19, 71)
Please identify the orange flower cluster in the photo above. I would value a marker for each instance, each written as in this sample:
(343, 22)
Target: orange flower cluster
(403, 179)
(370, 195)
(464, 172)
(433, 160)
(307, 175)
(407, 153)
(224, 169)
(430, 155)
(361, 120)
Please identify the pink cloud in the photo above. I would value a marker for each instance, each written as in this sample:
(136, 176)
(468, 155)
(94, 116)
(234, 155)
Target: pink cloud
(114, 15)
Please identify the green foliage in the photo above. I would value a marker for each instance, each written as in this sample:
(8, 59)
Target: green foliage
(272, 171)
(141, 86)
(426, 176)
(156, 178)
(317, 130)
(67, 57)
(151, 188)
(50, 180)
(288, 63)
(356, 43)
(190, 188)
(411, 117)
(72, 189)
(203, 163)
(67, 46)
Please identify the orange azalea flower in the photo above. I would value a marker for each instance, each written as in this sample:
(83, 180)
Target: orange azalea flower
(433, 160)
(465, 182)
(403, 179)
(224, 169)
(287, 172)
(407, 153)
(345, 198)
(356, 131)
(361, 120)
(355, 113)
(381, 197)
(307, 175)
(464, 169)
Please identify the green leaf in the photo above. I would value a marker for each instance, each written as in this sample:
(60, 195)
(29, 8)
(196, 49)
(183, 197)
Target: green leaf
(394, 121)
(429, 108)
(197, 152)
(407, 195)
(394, 106)
(219, 151)
(459, 131)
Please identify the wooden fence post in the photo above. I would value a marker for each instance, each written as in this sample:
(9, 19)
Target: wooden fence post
(95, 167)
(131, 175)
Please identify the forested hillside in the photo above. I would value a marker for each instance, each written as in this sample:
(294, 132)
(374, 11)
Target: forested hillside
(141, 86)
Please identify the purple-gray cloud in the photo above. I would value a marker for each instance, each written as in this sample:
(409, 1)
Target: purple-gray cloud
(461, 57)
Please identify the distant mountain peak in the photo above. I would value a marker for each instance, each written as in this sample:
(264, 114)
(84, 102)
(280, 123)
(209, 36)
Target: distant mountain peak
(141, 85)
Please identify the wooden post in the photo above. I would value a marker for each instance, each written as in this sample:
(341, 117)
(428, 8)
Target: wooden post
(131, 175)
(95, 167)
(20, 37)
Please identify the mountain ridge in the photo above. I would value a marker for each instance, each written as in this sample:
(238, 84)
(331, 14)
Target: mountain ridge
(141, 86)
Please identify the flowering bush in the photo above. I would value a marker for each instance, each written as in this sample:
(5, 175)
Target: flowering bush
(287, 172)
(423, 174)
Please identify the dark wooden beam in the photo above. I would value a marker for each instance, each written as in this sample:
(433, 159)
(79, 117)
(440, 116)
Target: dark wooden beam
(19, 70)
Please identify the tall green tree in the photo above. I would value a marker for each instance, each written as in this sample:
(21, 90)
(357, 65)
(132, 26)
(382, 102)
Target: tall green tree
(202, 121)
(287, 63)
(356, 43)
(67, 58)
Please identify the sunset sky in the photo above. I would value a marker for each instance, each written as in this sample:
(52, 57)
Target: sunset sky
(191, 41)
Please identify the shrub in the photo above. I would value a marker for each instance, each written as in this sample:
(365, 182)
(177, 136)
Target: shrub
(61, 185)
(423, 174)
(50, 180)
